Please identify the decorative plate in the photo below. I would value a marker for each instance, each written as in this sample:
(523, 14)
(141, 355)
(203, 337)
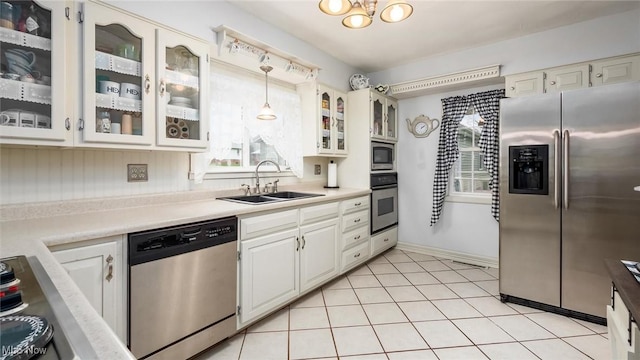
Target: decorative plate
(359, 81)
(177, 129)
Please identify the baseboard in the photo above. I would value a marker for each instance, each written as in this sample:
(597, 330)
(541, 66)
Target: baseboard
(448, 254)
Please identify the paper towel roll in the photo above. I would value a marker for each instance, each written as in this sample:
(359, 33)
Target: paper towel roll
(332, 175)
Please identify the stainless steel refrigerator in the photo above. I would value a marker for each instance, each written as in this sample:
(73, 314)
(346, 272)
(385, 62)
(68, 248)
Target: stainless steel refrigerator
(569, 163)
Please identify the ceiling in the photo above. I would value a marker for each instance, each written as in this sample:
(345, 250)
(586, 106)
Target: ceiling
(435, 27)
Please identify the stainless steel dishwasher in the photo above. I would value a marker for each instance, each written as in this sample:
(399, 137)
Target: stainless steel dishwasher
(182, 288)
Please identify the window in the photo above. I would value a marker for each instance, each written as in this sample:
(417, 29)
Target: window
(239, 141)
(469, 175)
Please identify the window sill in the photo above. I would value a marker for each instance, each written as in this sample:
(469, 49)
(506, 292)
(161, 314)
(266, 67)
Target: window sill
(469, 199)
(242, 174)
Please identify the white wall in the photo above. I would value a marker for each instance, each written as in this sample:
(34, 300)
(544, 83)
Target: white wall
(469, 228)
(463, 227)
(599, 38)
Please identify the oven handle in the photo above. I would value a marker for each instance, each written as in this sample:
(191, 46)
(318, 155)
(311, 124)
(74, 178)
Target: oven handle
(384, 187)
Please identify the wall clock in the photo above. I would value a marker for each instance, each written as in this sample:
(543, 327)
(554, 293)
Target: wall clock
(422, 126)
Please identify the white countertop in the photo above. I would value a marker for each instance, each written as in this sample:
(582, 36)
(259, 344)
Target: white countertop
(33, 236)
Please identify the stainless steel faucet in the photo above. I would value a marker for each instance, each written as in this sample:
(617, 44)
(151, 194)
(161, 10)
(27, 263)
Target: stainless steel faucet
(257, 190)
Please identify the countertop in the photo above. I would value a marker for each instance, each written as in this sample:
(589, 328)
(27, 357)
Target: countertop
(84, 221)
(626, 284)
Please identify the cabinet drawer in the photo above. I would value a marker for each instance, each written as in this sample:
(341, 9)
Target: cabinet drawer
(355, 236)
(266, 224)
(354, 256)
(352, 221)
(319, 212)
(351, 205)
(384, 240)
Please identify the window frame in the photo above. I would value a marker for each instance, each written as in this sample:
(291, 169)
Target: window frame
(460, 196)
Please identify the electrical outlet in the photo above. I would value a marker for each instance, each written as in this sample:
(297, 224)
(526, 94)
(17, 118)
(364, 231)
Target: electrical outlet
(137, 172)
(316, 169)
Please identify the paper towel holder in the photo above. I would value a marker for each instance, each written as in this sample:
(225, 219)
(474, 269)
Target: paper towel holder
(329, 174)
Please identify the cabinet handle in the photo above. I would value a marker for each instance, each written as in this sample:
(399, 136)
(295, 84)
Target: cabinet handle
(512, 88)
(599, 75)
(110, 273)
(67, 13)
(356, 255)
(147, 83)
(356, 237)
(385, 240)
(357, 204)
(67, 124)
(356, 220)
(298, 243)
(552, 82)
(304, 242)
(163, 87)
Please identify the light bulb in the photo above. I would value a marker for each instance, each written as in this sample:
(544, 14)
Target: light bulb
(396, 13)
(335, 5)
(356, 21)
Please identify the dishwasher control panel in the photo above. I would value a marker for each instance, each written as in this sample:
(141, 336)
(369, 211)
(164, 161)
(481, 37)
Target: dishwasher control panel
(156, 244)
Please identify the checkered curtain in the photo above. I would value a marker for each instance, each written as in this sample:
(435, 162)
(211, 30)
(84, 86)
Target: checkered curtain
(453, 110)
(487, 104)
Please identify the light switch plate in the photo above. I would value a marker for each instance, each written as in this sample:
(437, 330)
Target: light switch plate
(316, 169)
(137, 173)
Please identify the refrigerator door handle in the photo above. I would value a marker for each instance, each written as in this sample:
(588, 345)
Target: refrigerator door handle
(565, 172)
(556, 164)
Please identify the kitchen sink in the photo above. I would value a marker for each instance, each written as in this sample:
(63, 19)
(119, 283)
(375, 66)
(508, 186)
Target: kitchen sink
(291, 195)
(270, 197)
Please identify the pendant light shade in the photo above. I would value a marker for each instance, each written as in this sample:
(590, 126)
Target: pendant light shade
(396, 11)
(266, 113)
(357, 18)
(335, 7)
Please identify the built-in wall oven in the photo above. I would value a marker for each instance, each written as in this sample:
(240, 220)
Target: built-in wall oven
(384, 201)
(182, 288)
(382, 156)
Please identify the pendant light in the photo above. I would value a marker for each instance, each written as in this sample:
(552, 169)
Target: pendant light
(335, 7)
(266, 113)
(357, 18)
(396, 11)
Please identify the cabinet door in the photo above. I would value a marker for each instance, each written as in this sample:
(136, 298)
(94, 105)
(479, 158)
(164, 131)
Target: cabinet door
(391, 120)
(340, 125)
(567, 78)
(268, 273)
(183, 68)
(34, 106)
(119, 63)
(318, 253)
(326, 102)
(94, 269)
(377, 116)
(615, 71)
(525, 84)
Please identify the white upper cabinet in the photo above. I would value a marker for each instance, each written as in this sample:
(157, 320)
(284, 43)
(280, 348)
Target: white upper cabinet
(576, 76)
(384, 117)
(183, 73)
(325, 120)
(35, 76)
(144, 86)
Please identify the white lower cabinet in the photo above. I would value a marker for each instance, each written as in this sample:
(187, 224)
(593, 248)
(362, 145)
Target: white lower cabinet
(99, 272)
(268, 273)
(384, 240)
(286, 259)
(624, 335)
(355, 232)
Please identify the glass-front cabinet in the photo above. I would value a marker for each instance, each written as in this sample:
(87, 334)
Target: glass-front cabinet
(181, 106)
(143, 85)
(384, 122)
(34, 76)
(332, 132)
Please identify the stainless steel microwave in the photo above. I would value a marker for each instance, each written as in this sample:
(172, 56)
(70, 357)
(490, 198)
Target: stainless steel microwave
(382, 156)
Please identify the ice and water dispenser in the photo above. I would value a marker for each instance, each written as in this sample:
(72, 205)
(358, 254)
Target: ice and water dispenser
(529, 169)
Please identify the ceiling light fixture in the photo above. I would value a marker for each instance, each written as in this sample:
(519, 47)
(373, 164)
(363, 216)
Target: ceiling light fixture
(360, 12)
(266, 113)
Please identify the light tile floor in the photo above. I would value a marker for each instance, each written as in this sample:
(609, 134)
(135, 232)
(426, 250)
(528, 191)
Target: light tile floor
(402, 305)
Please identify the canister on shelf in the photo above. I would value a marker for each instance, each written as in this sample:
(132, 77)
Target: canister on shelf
(6, 15)
(127, 124)
(103, 122)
